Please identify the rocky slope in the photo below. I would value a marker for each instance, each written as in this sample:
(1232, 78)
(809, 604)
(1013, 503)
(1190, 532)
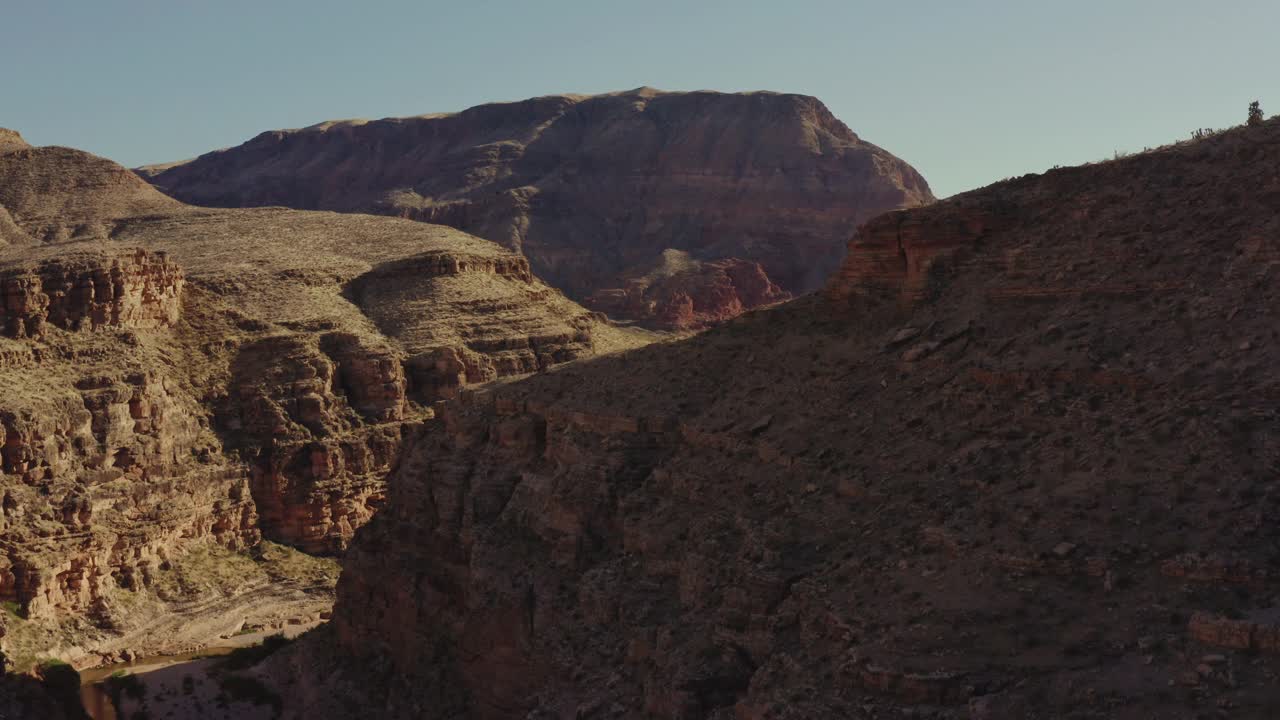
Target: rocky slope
(1018, 460)
(177, 384)
(593, 189)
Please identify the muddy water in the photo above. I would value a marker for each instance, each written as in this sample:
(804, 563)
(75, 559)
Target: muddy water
(93, 691)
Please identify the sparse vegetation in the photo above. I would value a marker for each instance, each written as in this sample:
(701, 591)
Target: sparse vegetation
(1255, 114)
(282, 562)
(214, 567)
(122, 684)
(63, 683)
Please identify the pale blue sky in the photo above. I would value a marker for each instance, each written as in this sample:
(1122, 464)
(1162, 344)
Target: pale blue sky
(968, 92)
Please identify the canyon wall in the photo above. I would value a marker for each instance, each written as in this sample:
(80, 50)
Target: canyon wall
(1015, 460)
(593, 190)
(130, 291)
(108, 465)
(178, 385)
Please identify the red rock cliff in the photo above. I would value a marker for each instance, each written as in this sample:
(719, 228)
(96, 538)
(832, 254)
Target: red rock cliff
(107, 463)
(138, 290)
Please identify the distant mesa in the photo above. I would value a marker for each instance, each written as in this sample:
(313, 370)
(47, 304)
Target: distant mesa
(593, 189)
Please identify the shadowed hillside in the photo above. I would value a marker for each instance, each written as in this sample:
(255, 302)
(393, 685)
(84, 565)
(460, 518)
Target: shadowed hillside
(1018, 460)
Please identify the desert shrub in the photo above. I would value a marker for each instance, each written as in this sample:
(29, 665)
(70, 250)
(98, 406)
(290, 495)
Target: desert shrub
(63, 683)
(1255, 113)
(121, 684)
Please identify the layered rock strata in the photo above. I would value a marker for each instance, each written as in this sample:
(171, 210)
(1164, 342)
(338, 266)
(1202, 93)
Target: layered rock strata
(594, 189)
(131, 291)
(178, 384)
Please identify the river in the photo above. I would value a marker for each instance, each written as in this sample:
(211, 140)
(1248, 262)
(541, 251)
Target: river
(165, 673)
(93, 691)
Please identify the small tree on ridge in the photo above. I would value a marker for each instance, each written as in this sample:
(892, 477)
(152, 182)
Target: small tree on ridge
(1255, 113)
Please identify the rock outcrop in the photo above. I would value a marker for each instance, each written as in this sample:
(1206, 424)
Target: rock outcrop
(594, 189)
(129, 291)
(11, 140)
(694, 296)
(177, 384)
(1017, 461)
(109, 470)
(319, 420)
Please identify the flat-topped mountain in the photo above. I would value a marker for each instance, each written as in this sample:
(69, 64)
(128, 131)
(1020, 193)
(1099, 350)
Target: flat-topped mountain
(1018, 460)
(179, 383)
(594, 190)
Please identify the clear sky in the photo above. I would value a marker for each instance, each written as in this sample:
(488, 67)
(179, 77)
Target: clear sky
(968, 92)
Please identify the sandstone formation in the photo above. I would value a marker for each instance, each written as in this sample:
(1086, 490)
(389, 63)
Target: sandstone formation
(177, 384)
(594, 189)
(130, 290)
(1018, 460)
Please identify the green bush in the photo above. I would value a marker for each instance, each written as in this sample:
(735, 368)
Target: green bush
(121, 684)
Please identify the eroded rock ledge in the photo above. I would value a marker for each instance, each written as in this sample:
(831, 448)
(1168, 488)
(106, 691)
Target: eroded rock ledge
(137, 290)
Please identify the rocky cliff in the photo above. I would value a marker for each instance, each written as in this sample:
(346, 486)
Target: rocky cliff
(593, 189)
(177, 384)
(682, 293)
(127, 291)
(1017, 461)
